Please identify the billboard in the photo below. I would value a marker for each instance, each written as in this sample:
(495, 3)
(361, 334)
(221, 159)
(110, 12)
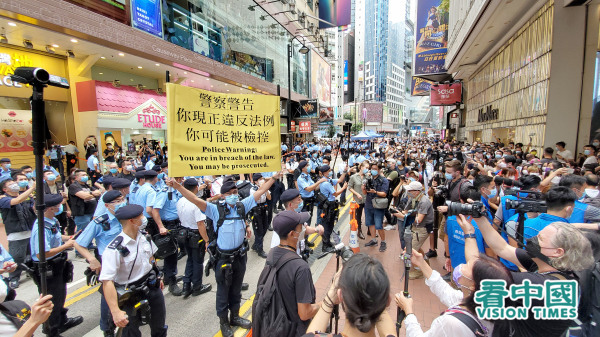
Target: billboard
(373, 112)
(337, 12)
(345, 75)
(309, 108)
(326, 115)
(146, 15)
(431, 37)
(320, 78)
(420, 87)
(446, 94)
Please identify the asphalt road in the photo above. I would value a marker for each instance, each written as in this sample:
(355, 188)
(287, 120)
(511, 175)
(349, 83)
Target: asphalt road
(196, 315)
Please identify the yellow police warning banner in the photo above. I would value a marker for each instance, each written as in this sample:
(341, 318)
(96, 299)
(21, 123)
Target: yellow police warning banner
(211, 133)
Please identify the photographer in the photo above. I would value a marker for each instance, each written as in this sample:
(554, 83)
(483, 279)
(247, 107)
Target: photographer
(355, 185)
(362, 288)
(461, 303)
(554, 254)
(527, 183)
(376, 189)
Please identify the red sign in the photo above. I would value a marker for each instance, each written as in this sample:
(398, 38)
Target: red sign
(293, 126)
(446, 94)
(150, 118)
(305, 127)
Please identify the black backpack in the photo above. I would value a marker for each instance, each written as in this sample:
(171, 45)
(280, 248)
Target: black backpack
(244, 189)
(210, 231)
(589, 305)
(270, 317)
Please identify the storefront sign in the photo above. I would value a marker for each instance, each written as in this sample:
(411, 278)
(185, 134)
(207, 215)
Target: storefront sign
(488, 115)
(431, 37)
(304, 127)
(212, 133)
(151, 118)
(420, 86)
(15, 130)
(446, 94)
(146, 15)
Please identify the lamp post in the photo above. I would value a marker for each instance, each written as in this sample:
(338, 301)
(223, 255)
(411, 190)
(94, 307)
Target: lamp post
(303, 50)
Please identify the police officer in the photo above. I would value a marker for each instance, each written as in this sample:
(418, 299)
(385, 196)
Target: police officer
(103, 229)
(135, 186)
(231, 244)
(146, 197)
(59, 267)
(331, 205)
(260, 216)
(164, 213)
(122, 185)
(307, 187)
(128, 263)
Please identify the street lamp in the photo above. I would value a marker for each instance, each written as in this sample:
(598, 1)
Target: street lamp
(303, 50)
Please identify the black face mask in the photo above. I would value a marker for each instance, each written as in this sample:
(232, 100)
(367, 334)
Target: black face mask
(534, 250)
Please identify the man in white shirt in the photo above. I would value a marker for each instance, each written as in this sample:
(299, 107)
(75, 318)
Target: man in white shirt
(563, 155)
(193, 220)
(589, 152)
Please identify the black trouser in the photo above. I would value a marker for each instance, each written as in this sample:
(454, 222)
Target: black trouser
(309, 206)
(331, 210)
(57, 287)
(359, 213)
(260, 225)
(71, 162)
(19, 250)
(158, 313)
(229, 287)
(290, 181)
(194, 266)
(170, 265)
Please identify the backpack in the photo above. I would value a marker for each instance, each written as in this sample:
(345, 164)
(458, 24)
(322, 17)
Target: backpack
(592, 201)
(222, 208)
(270, 317)
(244, 189)
(589, 305)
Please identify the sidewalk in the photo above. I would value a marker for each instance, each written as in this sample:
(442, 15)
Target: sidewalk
(427, 307)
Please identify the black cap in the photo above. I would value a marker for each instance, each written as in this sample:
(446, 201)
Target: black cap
(287, 221)
(149, 174)
(164, 164)
(120, 183)
(327, 151)
(140, 175)
(288, 195)
(108, 180)
(190, 182)
(156, 168)
(129, 212)
(52, 199)
(256, 176)
(110, 196)
(4, 160)
(324, 168)
(139, 169)
(302, 164)
(227, 186)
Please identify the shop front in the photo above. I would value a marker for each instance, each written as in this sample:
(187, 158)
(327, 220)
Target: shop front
(15, 109)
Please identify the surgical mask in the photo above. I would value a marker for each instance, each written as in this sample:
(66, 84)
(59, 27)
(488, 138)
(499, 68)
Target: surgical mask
(448, 176)
(457, 274)
(596, 144)
(525, 172)
(14, 188)
(533, 249)
(29, 175)
(51, 177)
(232, 199)
(113, 171)
(89, 142)
(586, 152)
(592, 192)
(498, 156)
(60, 210)
(330, 174)
(314, 155)
(117, 206)
(300, 206)
(84, 179)
(153, 159)
(160, 175)
(399, 163)
(412, 179)
(144, 223)
(555, 180)
(129, 168)
(23, 183)
(488, 156)
(7, 166)
(374, 173)
(365, 171)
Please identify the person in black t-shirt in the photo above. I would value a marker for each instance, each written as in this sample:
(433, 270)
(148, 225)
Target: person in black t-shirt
(554, 254)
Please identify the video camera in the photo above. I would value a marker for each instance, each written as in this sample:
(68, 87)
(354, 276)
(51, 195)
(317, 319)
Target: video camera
(507, 182)
(529, 201)
(341, 250)
(475, 209)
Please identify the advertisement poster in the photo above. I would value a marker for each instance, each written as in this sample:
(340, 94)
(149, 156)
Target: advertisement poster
(309, 108)
(345, 75)
(373, 112)
(110, 137)
(326, 115)
(321, 78)
(337, 12)
(446, 94)
(420, 87)
(259, 66)
(211, 133)
(431, 37)
(15, 130)
(146, 15)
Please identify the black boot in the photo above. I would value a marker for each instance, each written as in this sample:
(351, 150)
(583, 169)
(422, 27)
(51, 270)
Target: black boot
(187, 290)
(173, 287)
(226, 330)
(236, 320)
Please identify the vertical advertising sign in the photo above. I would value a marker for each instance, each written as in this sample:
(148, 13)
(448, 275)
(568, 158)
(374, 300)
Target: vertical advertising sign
(345, 75)
(337, 12)
(146, 15)
(15, 130)
(431, 37)
(321, 78)
(304, 127)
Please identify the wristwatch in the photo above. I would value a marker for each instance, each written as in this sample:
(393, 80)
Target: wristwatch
(470, 236)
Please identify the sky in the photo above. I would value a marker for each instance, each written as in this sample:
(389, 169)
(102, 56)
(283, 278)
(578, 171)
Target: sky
(397, 7)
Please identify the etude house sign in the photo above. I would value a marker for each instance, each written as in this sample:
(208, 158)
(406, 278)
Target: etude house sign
(489, 114)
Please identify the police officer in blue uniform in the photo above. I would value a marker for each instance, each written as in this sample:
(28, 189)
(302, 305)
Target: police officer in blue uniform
(135, 186)
(146, 197)
(104, 229)
(260, 216)
(128, 264)
(230, 247)
(331, 205)
(307, 187)
(59, 267)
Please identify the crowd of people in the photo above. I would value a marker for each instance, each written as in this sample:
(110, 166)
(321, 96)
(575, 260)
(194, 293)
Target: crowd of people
(502, 211)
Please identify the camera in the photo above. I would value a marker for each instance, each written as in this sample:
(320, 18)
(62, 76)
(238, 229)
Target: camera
(476, 209)
(369, 184)
(442, 191)
(507, 182)
(525, 206)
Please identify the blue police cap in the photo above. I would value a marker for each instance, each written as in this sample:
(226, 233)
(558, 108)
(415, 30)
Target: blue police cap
(110, 196)
(191, 182)
(256, 176)
(120, 183)
(227, 186)
(164, 164)
(52, 199)
(150, 174)
(140, 175)
(138, 169)
(156, 168)
(286, 221)
(324, 168)
(290, 194)
(129, 212)
(302, 164)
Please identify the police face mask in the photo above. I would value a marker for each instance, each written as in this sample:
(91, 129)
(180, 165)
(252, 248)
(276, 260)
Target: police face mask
(60, 210)
(144, 223)
(300, 205)
(232, 199)
(117, 206)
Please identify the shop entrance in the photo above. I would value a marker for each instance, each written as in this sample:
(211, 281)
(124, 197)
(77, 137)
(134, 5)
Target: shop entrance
(503, 135)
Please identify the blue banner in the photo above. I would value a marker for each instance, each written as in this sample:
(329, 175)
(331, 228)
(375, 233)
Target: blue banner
(431, 37)
(146, 15)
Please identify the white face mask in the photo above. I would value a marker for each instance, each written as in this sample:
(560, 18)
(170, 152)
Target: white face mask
(592, 192)
(144, 223)
(555, 180)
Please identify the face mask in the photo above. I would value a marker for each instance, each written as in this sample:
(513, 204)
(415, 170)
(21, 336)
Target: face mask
(502, 165)
(592, 192)
(29, 175)
(113, 171)
(153, 159)
(365, 171)
(518, 152)
(14, 188)
(89, 142)
(498, 156)
(129, 168)
(300, 205)
(23, 183)
(374, 173)
(84, 179)
(330, 174)
(117, 206)
(457, 274)
(314, 155)
(160, 175)
(555, 180)
(470, 180)
(232, 199)
(525, 172)
(412, 179)
(60, 210)
(533, 249)
(586, 152)
(144, 223)
(51, 177)
(596, 144)
(448, 176)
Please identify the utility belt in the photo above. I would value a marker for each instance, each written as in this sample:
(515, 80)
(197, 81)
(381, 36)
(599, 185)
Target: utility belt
(58, 264)
(242, 250)
(187, 237)
(309, 200)
(134, 292)
(224, 263)
(171, 224)
(331, 205)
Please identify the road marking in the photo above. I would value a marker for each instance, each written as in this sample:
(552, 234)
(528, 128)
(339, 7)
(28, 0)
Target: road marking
(78, 291)
(72, 284)
(82, 296)
(239, 332)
